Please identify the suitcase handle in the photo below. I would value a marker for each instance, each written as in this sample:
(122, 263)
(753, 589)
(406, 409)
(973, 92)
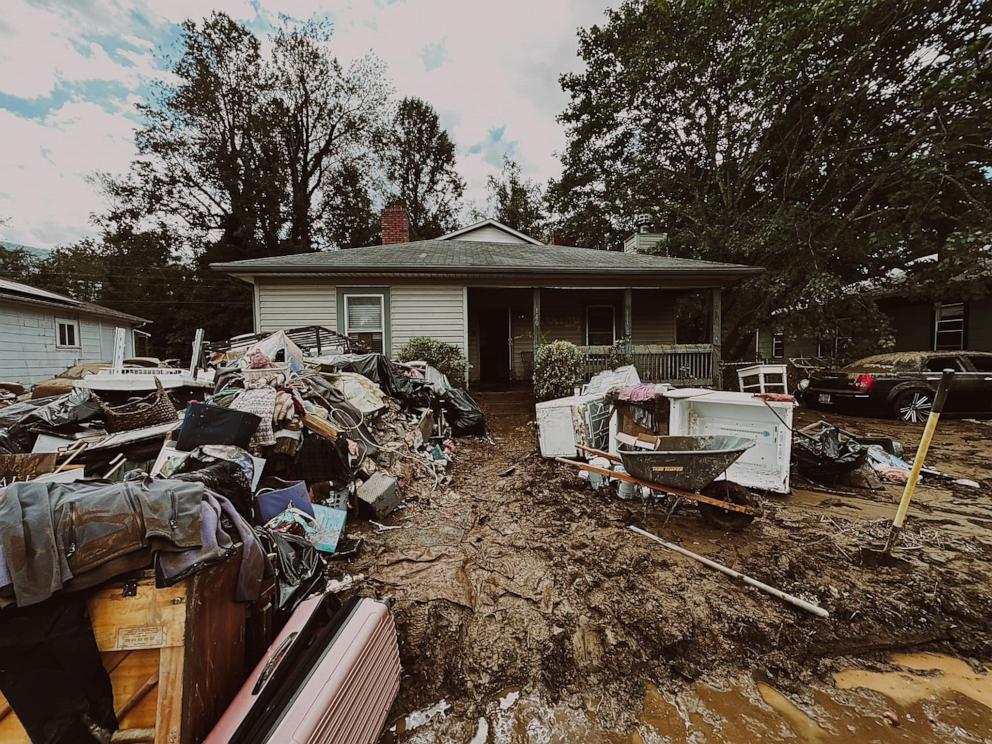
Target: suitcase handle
(273, 662)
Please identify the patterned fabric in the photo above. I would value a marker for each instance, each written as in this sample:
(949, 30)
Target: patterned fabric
(262, 402)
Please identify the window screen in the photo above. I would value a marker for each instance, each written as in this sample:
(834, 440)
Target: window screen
(949, 327)
(364, 321)
(778, 345)
(599, 325)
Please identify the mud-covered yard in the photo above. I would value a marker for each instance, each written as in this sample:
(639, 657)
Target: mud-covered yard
(528, 612)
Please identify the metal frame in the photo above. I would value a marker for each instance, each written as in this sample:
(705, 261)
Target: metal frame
(937, 321)
(691, 495)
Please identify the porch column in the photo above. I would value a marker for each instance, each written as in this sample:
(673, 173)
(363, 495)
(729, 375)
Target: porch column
(628, 323)
(716, 343)
(537, 321)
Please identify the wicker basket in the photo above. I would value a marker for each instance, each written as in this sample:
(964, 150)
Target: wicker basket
(156, 408)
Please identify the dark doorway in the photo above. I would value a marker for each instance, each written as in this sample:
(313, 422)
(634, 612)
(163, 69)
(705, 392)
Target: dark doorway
(494, 344)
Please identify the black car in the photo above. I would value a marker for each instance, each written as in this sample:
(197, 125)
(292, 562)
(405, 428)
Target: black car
(903, 385)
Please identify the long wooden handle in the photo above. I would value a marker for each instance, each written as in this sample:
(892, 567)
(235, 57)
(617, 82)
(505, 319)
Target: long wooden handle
(921, 451)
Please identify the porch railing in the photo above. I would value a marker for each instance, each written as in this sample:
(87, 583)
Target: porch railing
(677, 364)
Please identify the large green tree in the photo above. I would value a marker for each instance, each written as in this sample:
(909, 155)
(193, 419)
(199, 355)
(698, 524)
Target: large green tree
(350, 219)
(331, 118)
(419, 161)
(241, 155)
(828, 142)
(516, 201)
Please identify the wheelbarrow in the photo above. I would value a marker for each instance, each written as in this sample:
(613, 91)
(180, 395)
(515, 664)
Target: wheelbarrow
(686, 467)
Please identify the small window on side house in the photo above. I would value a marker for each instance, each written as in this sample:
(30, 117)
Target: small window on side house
(66, 333)
(599, 325)
(364, 320)
(778, 345)
(948, 327)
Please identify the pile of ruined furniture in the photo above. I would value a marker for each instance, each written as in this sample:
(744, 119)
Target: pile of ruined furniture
(170, 575)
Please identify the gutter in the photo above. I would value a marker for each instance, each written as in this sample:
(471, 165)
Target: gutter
(418, 271)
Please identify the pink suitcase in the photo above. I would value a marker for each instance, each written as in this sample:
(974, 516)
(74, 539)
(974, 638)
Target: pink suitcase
(330, 677)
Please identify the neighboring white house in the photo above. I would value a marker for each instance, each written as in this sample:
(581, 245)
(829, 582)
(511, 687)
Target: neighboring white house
(497, 294)
(43, 333)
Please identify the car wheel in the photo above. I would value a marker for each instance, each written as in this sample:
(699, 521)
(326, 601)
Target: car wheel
(914, 406)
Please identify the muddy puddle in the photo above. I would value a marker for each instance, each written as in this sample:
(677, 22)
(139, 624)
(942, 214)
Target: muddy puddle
(921, 698)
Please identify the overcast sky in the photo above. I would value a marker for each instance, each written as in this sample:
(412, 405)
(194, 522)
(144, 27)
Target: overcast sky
(71, 72)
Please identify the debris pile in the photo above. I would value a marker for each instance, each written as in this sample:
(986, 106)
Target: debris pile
(263, 474)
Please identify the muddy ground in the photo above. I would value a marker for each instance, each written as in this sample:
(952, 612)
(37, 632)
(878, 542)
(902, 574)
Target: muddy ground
(528, 583)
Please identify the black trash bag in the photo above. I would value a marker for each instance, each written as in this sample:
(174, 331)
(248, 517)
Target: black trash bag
(823, 458)
(463, 414)
(21, 423)
(51, 672)
(224, 477)
(300, 570)
(409, 391)
(318, 460)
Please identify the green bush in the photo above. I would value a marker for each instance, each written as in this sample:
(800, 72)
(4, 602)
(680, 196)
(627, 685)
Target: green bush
(557, 370)
(444, 356)
(618, 355)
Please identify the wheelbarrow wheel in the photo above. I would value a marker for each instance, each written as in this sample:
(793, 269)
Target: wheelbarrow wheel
(725, 519)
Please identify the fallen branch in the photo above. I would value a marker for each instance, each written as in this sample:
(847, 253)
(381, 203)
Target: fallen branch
(796, 601)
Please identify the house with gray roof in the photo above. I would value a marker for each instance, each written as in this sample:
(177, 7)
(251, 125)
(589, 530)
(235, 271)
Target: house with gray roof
(497, 294)
(43, 333)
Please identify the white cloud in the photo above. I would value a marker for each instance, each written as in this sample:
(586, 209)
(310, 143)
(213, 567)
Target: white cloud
(47, 165)
(500, 68)
(491, 66)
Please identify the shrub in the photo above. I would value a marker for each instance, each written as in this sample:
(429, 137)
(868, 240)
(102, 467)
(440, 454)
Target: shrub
(557, 370)
(446, 357)
(618, 355)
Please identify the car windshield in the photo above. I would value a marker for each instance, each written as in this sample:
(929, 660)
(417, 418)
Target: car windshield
(886, 363)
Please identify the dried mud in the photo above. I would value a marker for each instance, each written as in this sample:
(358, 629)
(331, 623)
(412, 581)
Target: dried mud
(532, 582)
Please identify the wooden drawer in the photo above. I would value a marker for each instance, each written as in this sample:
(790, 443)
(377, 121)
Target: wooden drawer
(176, 656)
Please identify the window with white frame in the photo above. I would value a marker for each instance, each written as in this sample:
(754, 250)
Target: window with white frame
(778, 345)
(66, 333)
(600, 325)
(364, 319)
(948, 327)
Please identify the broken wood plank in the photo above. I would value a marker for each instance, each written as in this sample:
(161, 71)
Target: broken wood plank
(320, 427)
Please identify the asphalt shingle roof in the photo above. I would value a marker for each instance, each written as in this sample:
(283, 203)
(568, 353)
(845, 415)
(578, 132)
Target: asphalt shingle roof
(27, 295)
(464, 256)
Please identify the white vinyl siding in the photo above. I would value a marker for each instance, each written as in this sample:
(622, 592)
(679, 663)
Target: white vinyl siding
(282, 305)
(29, 350)
(434, 311)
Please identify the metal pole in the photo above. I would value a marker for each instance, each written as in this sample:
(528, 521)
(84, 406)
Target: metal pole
(796, 601)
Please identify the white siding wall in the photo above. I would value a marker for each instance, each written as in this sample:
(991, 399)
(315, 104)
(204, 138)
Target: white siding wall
(438, 312)
(283, 305)
(28, 352)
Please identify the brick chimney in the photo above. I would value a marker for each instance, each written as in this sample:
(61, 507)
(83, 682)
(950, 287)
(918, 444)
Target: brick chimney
(395, 225)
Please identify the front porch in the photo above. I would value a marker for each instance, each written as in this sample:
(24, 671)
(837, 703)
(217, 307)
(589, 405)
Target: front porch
(506, 326)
